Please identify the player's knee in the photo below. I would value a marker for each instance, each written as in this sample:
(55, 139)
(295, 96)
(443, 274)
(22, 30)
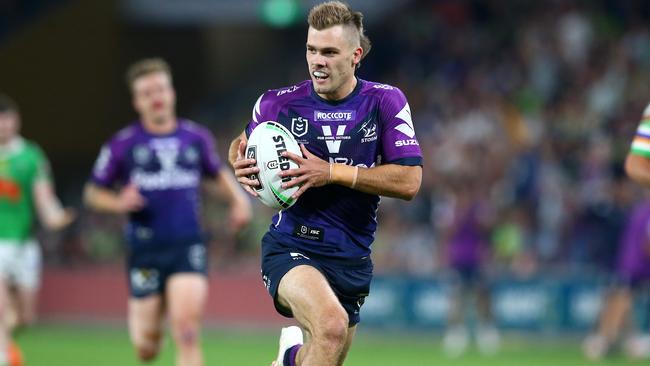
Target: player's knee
(186, 334)
(333, 330)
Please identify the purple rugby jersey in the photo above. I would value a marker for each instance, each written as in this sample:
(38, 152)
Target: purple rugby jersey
(167, 169)
(371, 126)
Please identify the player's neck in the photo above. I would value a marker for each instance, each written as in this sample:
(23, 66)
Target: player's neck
(160, 127)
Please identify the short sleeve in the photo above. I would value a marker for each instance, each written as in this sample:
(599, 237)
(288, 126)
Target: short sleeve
(399, 145)
(210, 162)
(259, 114)
(106, 168)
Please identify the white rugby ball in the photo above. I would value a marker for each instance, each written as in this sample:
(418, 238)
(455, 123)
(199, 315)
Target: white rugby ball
(266, 144)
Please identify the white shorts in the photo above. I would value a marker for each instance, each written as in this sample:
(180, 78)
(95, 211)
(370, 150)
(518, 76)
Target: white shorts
(20, 264)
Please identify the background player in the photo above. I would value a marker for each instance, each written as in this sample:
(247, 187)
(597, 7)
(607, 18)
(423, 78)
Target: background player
(25, 189)
(160, 161)
(634, 260)
(358, 142)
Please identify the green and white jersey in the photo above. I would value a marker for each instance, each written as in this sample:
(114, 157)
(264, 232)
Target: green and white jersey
(22, 164)
(641, 142)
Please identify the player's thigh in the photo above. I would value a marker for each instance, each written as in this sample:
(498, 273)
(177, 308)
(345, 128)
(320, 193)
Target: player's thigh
(306, 291)
(145, 317)
(186, 296)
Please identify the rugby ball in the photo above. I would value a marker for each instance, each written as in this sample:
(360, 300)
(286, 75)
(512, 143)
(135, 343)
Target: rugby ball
(266, 144)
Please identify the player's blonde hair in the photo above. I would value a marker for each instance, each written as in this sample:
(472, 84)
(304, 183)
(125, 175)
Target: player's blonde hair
(145, 67)
(333, 13)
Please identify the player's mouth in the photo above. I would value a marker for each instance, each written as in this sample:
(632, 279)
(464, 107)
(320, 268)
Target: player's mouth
(320, 76)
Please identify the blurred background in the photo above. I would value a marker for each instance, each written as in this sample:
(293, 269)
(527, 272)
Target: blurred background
(524, 111)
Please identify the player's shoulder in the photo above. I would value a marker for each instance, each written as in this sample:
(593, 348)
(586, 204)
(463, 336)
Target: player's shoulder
(29, 145)
(380, 89)
(390, 97)
(287, 93)
(125, 134)
(193, 128)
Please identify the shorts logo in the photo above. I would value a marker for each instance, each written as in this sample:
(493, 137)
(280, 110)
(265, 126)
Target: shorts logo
(309, 233)
(299, 126)
(335, 116)
(297, 256)
(196, 256)
(144, 279)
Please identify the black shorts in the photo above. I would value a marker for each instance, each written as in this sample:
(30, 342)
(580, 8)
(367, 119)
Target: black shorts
(149, 269)
(348, 278)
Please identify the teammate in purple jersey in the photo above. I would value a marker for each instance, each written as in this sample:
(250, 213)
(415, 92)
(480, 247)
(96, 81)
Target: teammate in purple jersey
(633, 268)
(160, 161)
(358, 142)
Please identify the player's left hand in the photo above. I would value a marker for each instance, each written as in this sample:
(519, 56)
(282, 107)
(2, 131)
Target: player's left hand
(312, 171)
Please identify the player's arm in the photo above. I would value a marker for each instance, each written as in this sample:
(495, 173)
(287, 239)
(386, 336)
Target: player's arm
(391, 180)
(637, 163)
(240, 207)
(48, 207)
(243, 167)
(128, 199)
(637, 167)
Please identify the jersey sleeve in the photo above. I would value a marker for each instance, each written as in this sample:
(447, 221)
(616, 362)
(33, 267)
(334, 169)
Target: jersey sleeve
(399, 145)
(260, 113)
(107, 166)
(641, 141)
(210, 162)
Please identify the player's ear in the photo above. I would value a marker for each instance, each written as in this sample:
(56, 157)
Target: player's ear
(356, 56)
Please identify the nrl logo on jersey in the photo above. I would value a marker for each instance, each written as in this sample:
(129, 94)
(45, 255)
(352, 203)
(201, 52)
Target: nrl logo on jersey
(335, 116)
(299, 126)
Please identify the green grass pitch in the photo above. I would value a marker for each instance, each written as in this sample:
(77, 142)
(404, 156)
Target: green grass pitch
(54, 345)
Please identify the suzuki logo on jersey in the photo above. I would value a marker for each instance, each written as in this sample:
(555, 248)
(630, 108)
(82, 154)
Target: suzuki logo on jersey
(299, 126)
(406, 127)
(335, 116)
(334, 142)
(409, 142)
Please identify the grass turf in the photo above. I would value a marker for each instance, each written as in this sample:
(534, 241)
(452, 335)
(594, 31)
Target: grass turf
(105, 346)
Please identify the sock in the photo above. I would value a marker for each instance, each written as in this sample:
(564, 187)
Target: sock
(290, 355)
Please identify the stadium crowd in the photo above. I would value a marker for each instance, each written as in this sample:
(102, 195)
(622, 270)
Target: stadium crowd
(525, 110)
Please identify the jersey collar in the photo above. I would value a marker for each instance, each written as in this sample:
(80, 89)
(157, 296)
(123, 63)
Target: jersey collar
(354, 93)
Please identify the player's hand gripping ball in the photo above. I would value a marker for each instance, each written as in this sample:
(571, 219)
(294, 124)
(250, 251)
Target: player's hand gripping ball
(266, 144)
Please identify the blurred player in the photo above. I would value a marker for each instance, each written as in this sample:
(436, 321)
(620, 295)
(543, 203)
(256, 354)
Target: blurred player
(634, 259)
(26, 189)
(464, 232)
(633, 272)
(358, 142)
(159, 161)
